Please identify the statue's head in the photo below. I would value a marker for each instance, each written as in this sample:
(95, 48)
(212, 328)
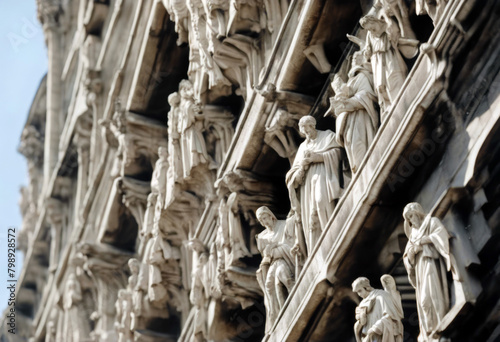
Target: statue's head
(266, 217)
(307, 126)
(203, 258)
(414, 215)
(372, 23)
(121, 293)
(186, 89)
(174, 99)
(358, 59)
(362, 287)
(162, 152)
(134, 265)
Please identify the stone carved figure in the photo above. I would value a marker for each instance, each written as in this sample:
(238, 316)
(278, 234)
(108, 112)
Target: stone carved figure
(315, 180)
(136, 287)
(123, 316)
(199, 298)
(276, 271)
(158, 251)
(76, 327)
(200, 37)
(190, 126)
(383, 47)
(118, 128)
(354, 108)
(379, 315)
(427, 259)
(174, 149)
(159, 178)
(235, 230)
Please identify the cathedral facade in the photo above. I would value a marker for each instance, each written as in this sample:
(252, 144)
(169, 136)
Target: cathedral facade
(263, 170)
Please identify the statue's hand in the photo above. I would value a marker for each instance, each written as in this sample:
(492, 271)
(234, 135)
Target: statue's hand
(418, 249)
(305, 162)
(369, 336)
(295, 250)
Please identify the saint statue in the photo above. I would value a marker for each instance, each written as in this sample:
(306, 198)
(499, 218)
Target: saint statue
(159, 177)
(354, 108)
(315, 180)
(157, 252)
(427, 259)
(193, 148)
(123, 308)
(276, 272)
(379, 315)
(199, 297)
(383, 47)
(76, 325)
(174, 149)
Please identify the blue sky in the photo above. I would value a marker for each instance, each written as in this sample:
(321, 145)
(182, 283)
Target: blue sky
(23, 62)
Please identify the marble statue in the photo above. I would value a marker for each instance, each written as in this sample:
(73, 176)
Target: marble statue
(354, 109)
(123, 316)
(235, 230)
(427, 259)
(314, 180)
(158, 251)
(193, 148)
(276, 271)
(383, 47)
(174, 149)
(379, 315)
(76, 326)
(135, 291)
(159, 177)
(199, 297)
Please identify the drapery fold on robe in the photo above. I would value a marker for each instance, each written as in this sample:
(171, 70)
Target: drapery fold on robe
(427, 271)
(319, 184)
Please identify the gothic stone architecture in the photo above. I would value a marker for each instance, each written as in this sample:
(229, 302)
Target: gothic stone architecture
(263, 170)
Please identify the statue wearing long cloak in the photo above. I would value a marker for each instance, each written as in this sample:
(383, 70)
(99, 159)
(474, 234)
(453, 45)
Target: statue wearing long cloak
(276, 270)
(193, 148)
(356, 129)
(427, 265)
(382, 315)
(389, 68)
(319, 184)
